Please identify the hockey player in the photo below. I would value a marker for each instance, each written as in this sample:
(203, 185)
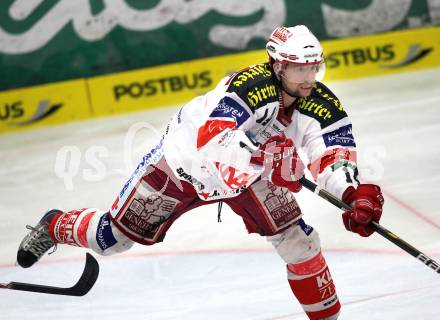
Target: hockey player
(237, 145)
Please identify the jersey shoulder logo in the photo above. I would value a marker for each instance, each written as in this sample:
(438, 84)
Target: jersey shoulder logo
(322, 105)
(254, 85)
(229, 108)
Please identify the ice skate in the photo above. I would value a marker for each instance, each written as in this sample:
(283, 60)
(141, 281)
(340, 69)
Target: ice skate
(37, 242)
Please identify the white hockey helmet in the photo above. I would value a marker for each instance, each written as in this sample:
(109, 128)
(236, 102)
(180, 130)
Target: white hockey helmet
(295, 45)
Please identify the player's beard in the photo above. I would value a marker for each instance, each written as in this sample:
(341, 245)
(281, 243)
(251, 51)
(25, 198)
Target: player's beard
(299, 92)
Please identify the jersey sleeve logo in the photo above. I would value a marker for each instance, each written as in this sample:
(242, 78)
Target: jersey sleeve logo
(229, 108)
(342, 136)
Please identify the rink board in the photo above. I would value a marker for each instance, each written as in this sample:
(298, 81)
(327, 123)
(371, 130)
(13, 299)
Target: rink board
(178, 83)
(44, 105)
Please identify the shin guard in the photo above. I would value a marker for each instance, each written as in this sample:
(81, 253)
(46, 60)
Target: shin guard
(71, 227)
(89, 228)
(313, 286)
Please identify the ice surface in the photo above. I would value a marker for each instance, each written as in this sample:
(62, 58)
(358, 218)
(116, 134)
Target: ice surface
(210, 270)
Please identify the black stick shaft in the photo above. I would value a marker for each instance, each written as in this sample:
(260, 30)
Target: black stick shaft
(387, 234)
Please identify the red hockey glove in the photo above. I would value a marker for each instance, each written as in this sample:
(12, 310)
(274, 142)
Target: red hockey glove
(367, 203)
(282, 164)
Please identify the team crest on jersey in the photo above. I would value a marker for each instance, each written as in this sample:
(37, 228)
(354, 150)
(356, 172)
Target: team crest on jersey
(234, 178)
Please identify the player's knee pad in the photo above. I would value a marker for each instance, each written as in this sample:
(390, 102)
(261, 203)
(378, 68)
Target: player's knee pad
(297, 243)
(104, 237)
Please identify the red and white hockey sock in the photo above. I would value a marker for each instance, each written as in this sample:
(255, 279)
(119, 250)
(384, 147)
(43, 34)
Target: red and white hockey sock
(313, 286)
(71, 227)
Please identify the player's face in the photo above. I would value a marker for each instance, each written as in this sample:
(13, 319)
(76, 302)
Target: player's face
(299, 78)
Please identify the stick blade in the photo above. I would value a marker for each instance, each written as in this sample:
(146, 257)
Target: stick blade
(88, 277)
(82, 287)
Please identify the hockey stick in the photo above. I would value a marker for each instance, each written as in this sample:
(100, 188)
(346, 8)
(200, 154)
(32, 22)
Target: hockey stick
(374, 225)
(84, 284)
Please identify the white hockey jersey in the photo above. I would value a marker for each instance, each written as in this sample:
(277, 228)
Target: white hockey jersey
(202, 142)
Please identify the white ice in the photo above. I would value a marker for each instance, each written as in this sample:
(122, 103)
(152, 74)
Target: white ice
(210, 270)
